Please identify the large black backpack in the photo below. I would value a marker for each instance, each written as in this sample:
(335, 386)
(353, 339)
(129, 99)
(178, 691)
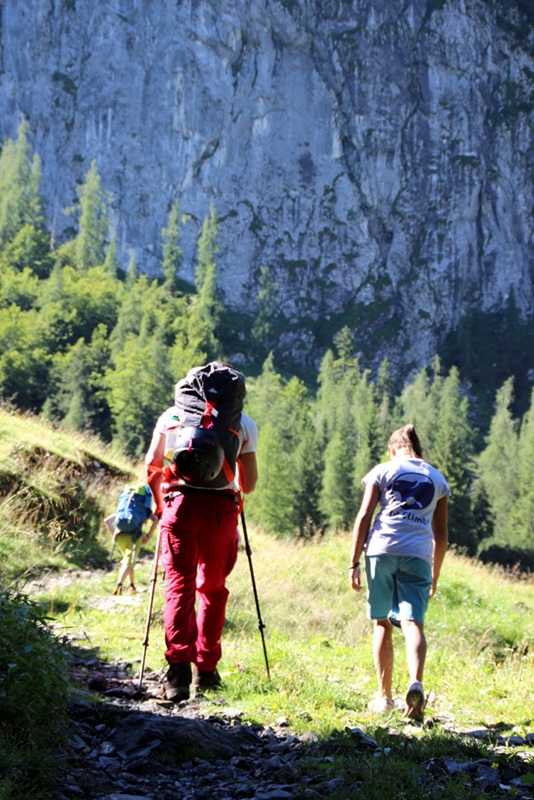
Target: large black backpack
(209, 401)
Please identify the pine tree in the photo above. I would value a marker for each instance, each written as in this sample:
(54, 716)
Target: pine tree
(285, 499)
(24, 358)
(172, 252)
(70, 399)
(345, 417)
(304, 457)
(140, 388)
(99, 359)
(324, 416)
(77, 392)
(411, 405)
(334, 432)
(20, 177)
(344, 342)
(131, 272)
(272, 501)
(335, 500)
(522, 511)
(498, 463)
(453, 455)
(385, 401)
(208, 307)
(92, 207)
(267, 310)
(110, 262)
(419, 404)
(367, 441)
(28, 250)
(132, 307)
(206, 271)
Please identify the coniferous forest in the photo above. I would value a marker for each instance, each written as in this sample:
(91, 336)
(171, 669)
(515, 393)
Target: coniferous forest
(91, 347)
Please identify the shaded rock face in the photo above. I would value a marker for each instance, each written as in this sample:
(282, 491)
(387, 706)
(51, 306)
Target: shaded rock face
(376, 157)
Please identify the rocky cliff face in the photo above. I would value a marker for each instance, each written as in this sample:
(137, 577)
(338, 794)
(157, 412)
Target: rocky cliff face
(376, 157)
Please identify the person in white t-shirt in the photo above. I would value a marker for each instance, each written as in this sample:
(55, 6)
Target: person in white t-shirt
(199, 542)
(404, 550)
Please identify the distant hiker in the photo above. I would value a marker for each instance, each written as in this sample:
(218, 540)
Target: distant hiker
(126, 525)
(201, 458)
(404, 550)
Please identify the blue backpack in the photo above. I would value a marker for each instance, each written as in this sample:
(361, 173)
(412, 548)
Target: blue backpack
(133, 508)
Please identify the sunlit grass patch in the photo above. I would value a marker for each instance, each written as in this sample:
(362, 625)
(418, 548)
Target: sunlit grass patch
(318, 640)
(55, 488)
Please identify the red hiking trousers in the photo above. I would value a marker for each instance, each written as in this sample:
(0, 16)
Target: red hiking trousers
(198, 552)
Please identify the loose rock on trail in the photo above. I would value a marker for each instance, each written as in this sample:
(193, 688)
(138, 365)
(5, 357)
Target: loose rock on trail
(129, 746)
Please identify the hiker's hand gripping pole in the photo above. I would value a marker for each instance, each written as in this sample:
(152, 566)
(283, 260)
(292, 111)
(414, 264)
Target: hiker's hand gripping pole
(261, 626)
(150, 604)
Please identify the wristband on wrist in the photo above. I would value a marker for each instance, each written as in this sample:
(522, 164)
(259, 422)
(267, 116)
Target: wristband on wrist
(357, 564)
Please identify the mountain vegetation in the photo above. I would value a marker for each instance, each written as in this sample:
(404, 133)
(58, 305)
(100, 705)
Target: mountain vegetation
(89, 354)
(91, 348)
(369, 164)
(55, 489)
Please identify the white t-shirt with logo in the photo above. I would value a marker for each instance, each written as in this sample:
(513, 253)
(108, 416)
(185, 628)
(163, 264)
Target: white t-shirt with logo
(410, 489)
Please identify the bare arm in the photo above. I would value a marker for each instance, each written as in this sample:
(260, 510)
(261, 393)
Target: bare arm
(247, 472)
(441, 538)
(109, 522)
(362, 525)
(154, 465)
(155, 522)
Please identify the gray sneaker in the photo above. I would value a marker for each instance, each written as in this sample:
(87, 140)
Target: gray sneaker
(415, 703)
(178, 681)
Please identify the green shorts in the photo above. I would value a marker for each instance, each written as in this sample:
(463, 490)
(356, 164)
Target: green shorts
(398, 587)
(129, 548)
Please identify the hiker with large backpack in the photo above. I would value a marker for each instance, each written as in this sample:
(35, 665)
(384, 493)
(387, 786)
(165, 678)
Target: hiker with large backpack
(134, 507)
(201, 459)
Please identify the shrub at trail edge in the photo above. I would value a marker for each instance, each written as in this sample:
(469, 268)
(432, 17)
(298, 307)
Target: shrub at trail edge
(33, 695)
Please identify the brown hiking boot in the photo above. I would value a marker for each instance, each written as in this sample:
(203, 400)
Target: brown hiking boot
(177, 681)
(206, 680)
(132, 589)
(117, 590)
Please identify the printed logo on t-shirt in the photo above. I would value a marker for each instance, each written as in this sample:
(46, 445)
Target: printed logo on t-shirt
(412, 491)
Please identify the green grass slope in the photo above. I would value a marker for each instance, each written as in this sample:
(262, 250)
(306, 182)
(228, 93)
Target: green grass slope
(479, 629)
(55, 486)
(55, 489)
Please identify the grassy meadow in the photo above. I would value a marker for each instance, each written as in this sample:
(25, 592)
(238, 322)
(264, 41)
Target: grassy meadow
(56, 488)
(479, 629)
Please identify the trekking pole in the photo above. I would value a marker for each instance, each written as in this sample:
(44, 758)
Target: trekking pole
(150, 604)
(261, 626)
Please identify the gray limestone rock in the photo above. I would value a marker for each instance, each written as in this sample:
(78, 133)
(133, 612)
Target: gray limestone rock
(375, 157)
